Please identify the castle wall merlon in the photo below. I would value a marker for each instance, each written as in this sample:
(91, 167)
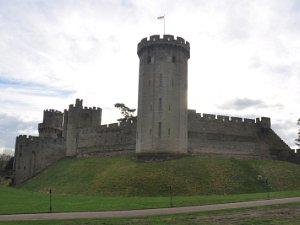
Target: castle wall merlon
(249, 121)
(223, 118)
(236, 119)
(264, 122)
(78, 103)
(208, 116)
(166, 39)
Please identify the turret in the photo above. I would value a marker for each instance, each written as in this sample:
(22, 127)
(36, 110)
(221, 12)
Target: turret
(52, 124)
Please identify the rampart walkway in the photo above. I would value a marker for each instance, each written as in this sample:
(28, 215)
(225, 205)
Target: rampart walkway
(144, 212)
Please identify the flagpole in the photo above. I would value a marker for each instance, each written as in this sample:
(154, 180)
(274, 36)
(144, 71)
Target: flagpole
(164, 25)
(163, 17)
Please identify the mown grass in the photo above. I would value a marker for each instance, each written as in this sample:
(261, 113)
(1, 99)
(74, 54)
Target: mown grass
(124, 176)
(201, 218)
(22, 201)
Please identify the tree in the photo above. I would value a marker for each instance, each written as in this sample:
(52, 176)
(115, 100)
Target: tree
(128, 114)
(6, 155)
(298, 139)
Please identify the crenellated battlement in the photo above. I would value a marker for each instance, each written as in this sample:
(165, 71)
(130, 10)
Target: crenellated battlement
(264, 122)
(54, 111)
(28, 139)
(91, 108)
(72, 106)
(108, 127)
(165, 40)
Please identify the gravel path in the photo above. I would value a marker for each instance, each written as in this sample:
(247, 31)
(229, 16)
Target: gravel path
(144, 212)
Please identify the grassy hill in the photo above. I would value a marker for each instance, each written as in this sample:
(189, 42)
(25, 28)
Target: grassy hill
(125, 176)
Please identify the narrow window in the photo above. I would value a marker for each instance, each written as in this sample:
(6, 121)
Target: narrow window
(150, 131)
(149, 59)
(173, 59)
(172, 83)
(160, 104)
(169, 131)
(160, 80)
(159, 129)
(151, 107)
(169, 108)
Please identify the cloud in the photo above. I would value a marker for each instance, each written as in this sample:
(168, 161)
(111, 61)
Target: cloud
(32, 88)
(244, 54)
(287, 130)
(13, 126)
(245, 103)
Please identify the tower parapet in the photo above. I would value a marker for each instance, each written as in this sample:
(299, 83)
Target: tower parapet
(52, 124)
(165, 40)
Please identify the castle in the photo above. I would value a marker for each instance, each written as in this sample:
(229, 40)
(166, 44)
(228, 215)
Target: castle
(163, 125)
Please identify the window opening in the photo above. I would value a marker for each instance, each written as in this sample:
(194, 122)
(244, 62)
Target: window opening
(160, 80)
(160, 104)
(159, 129)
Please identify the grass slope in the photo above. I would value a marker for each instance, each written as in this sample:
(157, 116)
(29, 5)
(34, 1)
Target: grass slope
(123, 176)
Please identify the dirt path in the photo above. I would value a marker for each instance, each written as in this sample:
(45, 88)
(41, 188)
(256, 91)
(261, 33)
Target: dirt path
(144, 212)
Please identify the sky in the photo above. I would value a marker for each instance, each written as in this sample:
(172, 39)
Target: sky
(245, 58)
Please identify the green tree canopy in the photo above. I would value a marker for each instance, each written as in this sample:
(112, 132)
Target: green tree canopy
(128, 114)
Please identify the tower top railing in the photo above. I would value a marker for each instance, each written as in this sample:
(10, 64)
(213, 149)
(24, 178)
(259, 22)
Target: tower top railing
(165, 40)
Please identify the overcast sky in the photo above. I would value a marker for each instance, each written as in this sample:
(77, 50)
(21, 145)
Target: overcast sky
(245, 57)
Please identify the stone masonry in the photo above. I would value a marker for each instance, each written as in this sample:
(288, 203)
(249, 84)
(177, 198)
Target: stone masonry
(162, 105)
(164, 124)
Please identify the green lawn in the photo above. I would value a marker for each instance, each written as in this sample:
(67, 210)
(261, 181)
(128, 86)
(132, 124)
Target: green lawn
(22, 201)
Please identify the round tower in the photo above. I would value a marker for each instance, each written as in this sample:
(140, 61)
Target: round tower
(162, 100)
(52, 124)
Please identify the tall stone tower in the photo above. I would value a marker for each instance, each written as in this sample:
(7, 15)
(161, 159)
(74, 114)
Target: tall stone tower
(78, 117)
(162, 103)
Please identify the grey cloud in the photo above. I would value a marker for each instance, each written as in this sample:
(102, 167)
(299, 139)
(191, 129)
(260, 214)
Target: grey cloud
(11, 126)
(244, 103)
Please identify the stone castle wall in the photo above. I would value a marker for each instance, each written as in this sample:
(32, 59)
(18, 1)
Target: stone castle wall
(236, 137)
(209, 135)
(33, 154)
(110, 137)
